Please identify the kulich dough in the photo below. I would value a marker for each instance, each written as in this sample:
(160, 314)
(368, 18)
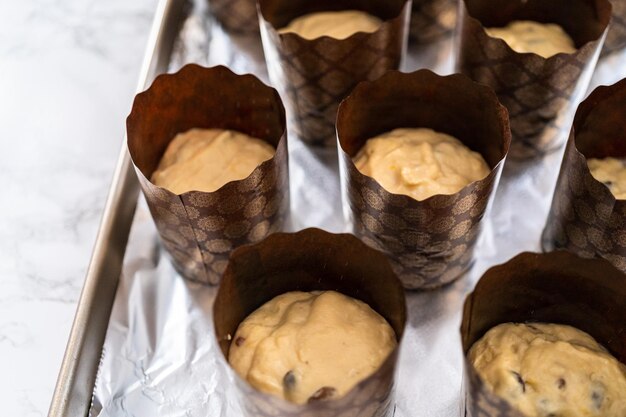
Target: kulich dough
(547, 370)
(207, 159)
(543, 39)
(308, 346)
(420, 162)
(611, 172)
(338, 25)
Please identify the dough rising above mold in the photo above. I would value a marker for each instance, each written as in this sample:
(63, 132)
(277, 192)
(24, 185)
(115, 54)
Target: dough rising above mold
(310, 346)
(543, 39)
(207, 159)
(420, 162)
(337, 25)
(611, 172)
(547, 370)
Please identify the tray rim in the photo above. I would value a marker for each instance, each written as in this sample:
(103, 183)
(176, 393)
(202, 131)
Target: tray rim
(77, 375)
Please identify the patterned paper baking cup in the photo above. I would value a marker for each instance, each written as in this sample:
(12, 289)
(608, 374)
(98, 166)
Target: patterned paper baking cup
(585, 217)
(430, 243)
(541, 94)
(556, 287)
(313, 76)
(236, 16)
(616, 37)
(199, 229)
(432, 20)
(311, 260)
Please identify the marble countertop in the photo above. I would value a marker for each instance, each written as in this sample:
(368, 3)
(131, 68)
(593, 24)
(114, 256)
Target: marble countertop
(68, 71)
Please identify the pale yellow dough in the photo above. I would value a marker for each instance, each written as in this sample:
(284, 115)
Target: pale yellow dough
(338, 25)
(207, 159)
(543, 39)
(547, 370)
(420, 162)
(612, 172)
(310, 344)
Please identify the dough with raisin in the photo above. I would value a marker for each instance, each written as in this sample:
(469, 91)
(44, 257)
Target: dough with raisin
(310, 346)
(420, 162)
(337, 25)
(207, 159)
(543, 39)
(611, 172)
(547, 370)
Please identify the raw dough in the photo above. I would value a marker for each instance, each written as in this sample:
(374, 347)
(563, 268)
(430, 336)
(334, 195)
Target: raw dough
(420, 162)
(548, 370)
(338, 25)
(305, 346)
(543, 39)
(207, 159)
(612, 172)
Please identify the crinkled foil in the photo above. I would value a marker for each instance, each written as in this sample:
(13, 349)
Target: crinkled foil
(159, 358)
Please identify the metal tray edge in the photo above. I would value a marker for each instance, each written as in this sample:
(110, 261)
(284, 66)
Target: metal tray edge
(77, 375)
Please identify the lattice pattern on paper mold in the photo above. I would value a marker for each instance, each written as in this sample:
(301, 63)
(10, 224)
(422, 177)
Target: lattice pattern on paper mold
(313, 76)
(585, 218)
(432, 20)
(540, 94)
(429, 243)
(616, 37)
(237, 16)
(199, 230)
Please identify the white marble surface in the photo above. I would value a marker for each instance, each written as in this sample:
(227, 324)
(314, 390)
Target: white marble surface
(68, 71)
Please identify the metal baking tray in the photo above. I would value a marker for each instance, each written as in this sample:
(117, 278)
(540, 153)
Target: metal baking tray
(74, 388)
(514, 224)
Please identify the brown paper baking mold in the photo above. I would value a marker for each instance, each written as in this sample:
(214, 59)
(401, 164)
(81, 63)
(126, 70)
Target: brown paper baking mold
(199, 229)
(616, 37)
(430, 243)
(585, 217)
(556, 287)
(432, 20)
(236, 16)
(311, 260)
(313, 76)
(540, 94)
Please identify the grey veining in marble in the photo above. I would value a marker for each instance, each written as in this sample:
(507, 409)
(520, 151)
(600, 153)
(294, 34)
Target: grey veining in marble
(68, 71)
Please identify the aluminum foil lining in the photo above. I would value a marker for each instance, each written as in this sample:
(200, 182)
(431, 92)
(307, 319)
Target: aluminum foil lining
(159, 358)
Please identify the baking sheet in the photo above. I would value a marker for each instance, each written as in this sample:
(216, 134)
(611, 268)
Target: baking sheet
(159, 358)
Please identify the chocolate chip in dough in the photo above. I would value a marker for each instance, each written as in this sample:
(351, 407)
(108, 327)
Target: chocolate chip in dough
(597, 397)
(323, 393)
(289, 381)
(240, 340)
(561, 384)
(520, 380)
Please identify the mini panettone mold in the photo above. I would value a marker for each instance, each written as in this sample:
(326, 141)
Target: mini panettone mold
(314, 75)
(311, 260)
(557, 287)
(541, 94)
(200, 229)
(616, 37)
(430, 243)
(585, 217)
